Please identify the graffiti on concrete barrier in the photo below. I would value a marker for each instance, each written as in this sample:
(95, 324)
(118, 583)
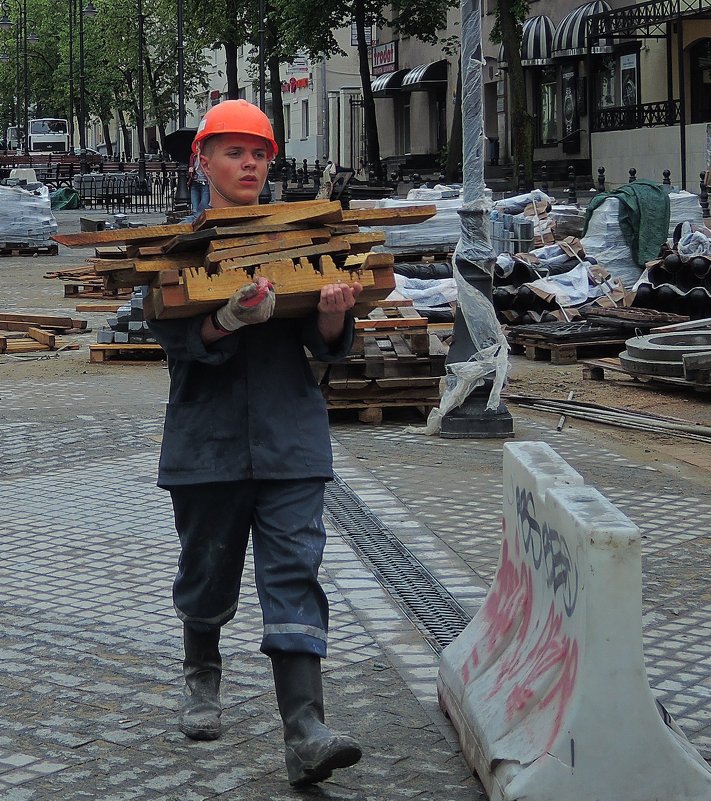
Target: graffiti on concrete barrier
(523, 639)
(547, 547)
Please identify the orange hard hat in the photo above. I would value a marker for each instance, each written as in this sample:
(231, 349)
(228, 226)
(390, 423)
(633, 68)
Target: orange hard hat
(235, 116)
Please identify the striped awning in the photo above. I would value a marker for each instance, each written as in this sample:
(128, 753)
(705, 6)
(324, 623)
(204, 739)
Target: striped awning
(387, 84)
(426, 77)
(570, 35)
(536, 43)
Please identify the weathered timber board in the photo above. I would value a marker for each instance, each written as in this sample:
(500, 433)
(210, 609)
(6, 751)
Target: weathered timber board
(121, 235)
(406, 215)
(278, 213)
(287, 246)
(335, 245)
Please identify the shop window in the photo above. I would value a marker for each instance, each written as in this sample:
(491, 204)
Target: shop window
(700, 77)
(629, 91)
(548, 107)
(304, 119)
(605, 84)
(287, 122)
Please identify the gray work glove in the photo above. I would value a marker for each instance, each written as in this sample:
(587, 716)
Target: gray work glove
(249, 305)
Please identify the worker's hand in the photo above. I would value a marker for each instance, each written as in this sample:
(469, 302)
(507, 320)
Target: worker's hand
(338, 298)
(249, 305)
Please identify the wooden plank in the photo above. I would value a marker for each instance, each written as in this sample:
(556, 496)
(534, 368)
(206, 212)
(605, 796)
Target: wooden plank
(97, 307)
(151, 264)
(335, 245)
(285, 242)
(197, 240)
(390, 322)
(363, 242)
(102, 353)
(401, 348)
(24, 346)
(329, 211)
(39, 320)
(406, 215)
(43, 337)
(123, 235)
(317, 234)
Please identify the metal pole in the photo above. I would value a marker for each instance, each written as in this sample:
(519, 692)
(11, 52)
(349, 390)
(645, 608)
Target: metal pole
(82, 99)
(18, 33)
(141, 119)
(26, 79)
(682, 98)
(262, 66)
(71, 76)
(182, 192)
(475, 257)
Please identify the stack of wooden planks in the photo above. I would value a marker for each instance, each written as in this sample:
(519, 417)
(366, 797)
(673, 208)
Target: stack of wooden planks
(395, 362)
(299, 247)
(83, 281)
(28, 333)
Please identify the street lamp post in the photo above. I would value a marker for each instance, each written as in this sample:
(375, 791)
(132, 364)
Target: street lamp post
(90, 11)
(182, 192)
(27, 38)
(474, 260)
(141, 114)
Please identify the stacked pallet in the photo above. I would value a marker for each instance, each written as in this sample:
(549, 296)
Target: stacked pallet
(299, 247)
(29, 333)
(83, 281)
(395, 362)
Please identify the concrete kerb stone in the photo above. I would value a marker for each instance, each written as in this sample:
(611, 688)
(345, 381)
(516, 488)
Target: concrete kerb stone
(547, 686)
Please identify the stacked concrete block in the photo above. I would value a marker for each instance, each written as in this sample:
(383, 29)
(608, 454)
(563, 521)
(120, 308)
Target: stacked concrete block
(128, 326)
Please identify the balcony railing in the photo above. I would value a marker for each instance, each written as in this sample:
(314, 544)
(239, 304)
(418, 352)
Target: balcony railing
(645, 115)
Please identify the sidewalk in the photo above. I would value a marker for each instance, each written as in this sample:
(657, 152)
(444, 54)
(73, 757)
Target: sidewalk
(90, 648)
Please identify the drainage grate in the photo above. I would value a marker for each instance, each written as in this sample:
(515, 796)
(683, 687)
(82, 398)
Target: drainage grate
(429, 605)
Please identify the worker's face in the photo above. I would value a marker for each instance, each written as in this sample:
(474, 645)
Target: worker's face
(236, 166)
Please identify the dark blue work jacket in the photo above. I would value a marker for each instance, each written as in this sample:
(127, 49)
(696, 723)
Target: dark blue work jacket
(247, 406)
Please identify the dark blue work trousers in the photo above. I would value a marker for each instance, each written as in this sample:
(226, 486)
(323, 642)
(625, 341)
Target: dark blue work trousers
(213, 522)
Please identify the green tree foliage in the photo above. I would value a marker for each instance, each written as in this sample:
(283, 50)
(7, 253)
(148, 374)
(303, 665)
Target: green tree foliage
(312, 29)
(110, 60)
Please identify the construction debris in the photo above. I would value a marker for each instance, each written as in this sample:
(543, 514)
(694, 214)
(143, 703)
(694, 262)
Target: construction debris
(29, 333)
(299, 247)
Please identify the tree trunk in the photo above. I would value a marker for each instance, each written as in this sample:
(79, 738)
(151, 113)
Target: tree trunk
(455, 156)
(521, 120)
(107, 137)
(277, 105)
(231, 70)
(371, 123)
(126, 134)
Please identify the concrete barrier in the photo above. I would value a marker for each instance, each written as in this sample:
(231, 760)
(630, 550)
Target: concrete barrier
(547, 686)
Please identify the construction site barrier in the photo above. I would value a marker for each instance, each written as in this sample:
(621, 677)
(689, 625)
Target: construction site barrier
(547, 686)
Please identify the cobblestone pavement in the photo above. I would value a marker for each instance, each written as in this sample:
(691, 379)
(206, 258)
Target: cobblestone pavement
(90, 648)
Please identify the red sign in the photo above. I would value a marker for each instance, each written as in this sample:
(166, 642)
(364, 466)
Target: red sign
(293, 84)
(384, 58)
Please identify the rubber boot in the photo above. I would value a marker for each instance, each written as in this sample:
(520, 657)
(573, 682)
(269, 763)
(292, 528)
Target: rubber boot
(200, 715)
(312, 749)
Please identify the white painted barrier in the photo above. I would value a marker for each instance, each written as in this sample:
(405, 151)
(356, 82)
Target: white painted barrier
(547, 686)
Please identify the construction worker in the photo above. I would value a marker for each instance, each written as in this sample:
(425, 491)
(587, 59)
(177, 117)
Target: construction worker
(246, 447)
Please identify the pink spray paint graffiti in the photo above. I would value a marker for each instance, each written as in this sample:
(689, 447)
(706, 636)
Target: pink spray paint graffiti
(533, 673)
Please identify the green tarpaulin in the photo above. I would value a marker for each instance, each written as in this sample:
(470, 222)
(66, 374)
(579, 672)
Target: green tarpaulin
(644, 217)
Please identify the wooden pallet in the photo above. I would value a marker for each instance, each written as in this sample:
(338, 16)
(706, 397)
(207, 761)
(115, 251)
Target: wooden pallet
(373, 412)
(125, 353)
(10, 249)
(94, 290)
(561, 352)
(595, 369)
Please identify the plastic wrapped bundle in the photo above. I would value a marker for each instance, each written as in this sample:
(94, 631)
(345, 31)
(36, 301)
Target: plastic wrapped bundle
(605, 242)
(684, 207)
(25, 217)
(438, 234)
